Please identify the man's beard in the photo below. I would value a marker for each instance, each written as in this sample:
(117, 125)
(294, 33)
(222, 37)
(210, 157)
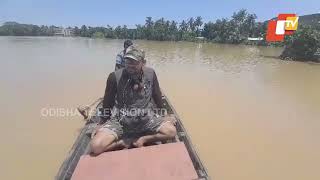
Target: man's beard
(136, 80)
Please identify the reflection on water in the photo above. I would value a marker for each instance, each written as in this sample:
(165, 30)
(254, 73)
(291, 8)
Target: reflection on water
(249, 115)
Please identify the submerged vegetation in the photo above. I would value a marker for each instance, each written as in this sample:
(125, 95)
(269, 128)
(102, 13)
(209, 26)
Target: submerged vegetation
(236, 30)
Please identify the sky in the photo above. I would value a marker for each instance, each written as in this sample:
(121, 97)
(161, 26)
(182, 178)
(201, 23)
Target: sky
(124, 12)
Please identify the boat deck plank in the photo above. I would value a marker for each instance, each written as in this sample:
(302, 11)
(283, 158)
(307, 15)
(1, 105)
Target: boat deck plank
(166, 161)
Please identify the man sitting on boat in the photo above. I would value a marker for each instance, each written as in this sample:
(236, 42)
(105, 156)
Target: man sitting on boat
(120, 56)
(128, 107)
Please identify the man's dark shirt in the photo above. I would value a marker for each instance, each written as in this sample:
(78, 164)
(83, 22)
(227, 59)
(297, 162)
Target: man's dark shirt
(111, 91)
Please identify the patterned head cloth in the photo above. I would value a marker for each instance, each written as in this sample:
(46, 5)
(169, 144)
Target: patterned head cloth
(135, 54)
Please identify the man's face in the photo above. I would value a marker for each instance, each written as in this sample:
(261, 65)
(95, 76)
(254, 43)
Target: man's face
(132, 66)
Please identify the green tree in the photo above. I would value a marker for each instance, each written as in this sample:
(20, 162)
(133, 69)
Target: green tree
(173, 31)
(191, 24)
(302, 45)
(76, 31)
(117, 32)
(159, 30)
(148, 30)
(198, 23)
(183, 29)
(124, 32)
(243, 25)
(84, 31)
(98, 35)
(109, 32)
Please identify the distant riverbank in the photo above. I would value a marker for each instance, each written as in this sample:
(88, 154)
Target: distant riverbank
(242, 26)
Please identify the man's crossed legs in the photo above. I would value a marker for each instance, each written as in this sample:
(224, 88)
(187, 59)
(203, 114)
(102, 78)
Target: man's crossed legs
(108, 137)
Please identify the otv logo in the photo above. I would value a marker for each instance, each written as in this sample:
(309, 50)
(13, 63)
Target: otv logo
(286, 24)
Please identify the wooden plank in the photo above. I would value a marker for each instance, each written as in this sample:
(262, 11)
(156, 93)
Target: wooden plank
(166, 161)
(184, 137)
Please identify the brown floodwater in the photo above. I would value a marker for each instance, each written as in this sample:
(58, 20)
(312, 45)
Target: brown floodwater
(249, 115)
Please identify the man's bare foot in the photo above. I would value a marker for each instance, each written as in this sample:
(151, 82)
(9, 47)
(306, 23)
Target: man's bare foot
(122, 144)
(140, 142)
(118, 145)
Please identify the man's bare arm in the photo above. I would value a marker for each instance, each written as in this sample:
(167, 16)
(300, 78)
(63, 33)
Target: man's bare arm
(156, 92)
(109, 97)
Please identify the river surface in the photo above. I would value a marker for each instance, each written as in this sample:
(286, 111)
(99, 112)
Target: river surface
(250, 116)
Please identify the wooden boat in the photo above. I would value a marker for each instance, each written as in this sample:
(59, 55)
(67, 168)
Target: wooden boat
(81, 148)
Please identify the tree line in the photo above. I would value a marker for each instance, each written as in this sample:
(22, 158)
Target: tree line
(16, 29)
(236, 30)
